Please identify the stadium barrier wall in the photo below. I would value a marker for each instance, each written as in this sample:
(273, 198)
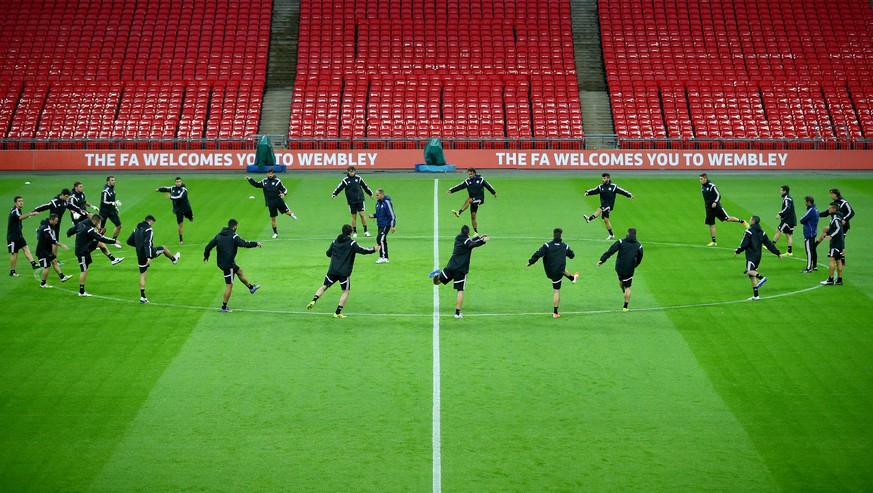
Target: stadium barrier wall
(80, 160)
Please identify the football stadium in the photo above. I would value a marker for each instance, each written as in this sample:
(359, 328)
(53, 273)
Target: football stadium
(209, 192)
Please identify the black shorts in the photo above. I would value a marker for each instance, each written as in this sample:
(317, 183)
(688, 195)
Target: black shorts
(84, 262)
(836, 253)
(459, 279)
(604, 212)
(713, 214)
(785, 228)
(344, 282)
(625, 279)
(229, 273)
(143, 262)
(752, 265)
(110, 216)
(356, 207)
(474, 204)
(276, 209)
(46, 261)
(557, 284)
(182, 215)
(16, 245)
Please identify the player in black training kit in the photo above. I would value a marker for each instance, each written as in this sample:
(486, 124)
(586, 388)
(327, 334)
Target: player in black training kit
(142, 239)
(847, 214)
(109, 205)
(714, 210)
(46, 246)
(178, 193)
(274, 197)
(88, 236)
(835, 232)
(555, 254)
(754, 239)
(342, 253)
(78, 199)
(355, 187)
(630, 255)
(476, 186)
(58, 205)
(787, 219)
(459, 265)
(607, 191)
(227, 242)
(15, 239)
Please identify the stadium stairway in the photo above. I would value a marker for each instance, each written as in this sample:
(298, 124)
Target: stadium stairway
(281, 68)
(596, 112)
(593, 95)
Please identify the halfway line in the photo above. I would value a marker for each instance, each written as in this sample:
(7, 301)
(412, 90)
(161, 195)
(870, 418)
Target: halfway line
(437, 459)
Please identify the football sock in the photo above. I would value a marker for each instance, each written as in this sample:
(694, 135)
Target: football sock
(625, 305)
(249, 286)
(34, 265)
(457, 311)
(759, 276)
(224, 306)
(713, 239)
(61, 275)
(789, 249)
(274, 232)
(42, 282)
(339, 308)
(115, 238)
(475, 230)
(111, 257)
(180, 238)
(365, 228)
(12, 272)
(81, 288)
(755, 291)
(840, 279)
(315, 298)
(556, 310)
(142, 293)
(610, 232)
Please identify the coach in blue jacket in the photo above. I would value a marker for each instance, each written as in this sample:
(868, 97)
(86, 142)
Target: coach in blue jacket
(385, 220)
(810, 230)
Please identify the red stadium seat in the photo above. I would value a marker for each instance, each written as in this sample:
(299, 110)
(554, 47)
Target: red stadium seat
(97, 73)
(738, 71)
(461, 77)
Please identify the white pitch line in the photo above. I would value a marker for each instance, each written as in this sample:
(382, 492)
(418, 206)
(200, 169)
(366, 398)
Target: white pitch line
(436, 437)
(434, 315)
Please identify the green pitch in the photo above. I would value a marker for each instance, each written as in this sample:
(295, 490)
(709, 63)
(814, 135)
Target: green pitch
(694, 389)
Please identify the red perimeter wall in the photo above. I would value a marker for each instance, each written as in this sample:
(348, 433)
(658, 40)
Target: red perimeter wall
(75, 160)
